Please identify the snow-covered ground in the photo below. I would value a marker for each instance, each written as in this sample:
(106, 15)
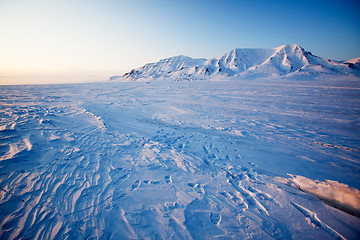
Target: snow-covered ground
(223, 158)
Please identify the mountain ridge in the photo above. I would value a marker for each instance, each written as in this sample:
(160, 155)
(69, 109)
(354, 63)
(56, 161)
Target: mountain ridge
(286, 60)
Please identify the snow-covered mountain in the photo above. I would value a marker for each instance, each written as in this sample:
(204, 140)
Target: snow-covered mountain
(286, 60)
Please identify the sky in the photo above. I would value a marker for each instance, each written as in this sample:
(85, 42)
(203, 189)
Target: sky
(61, 41)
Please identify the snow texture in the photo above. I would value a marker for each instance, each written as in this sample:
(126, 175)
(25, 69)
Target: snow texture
(337, 194)
(221, 158)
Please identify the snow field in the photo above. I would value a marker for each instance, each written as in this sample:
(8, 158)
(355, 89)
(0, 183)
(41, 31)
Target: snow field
(178, 160)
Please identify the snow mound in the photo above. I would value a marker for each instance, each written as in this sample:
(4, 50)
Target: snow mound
(354, 60)
(336, 194)
(287, 60)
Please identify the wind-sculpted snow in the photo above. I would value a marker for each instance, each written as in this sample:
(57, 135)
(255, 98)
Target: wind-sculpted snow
(179, 160)
(333, 192)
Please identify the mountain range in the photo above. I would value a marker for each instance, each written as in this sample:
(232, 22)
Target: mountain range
(286, 61)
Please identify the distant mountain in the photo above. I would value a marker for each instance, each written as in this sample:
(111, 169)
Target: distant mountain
(286, 60)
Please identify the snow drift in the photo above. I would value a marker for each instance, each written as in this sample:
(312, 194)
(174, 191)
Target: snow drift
(336, 194)
(287, 60)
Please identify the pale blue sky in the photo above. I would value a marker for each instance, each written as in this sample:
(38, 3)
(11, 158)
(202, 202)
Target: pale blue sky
(80, 40)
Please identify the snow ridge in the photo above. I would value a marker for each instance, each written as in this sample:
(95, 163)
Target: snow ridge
(287, 60)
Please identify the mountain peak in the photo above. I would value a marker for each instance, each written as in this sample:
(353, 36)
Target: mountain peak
(291, 46)
(176, 58)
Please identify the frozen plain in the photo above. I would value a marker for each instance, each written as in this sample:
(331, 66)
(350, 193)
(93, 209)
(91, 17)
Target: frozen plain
(222, 158)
